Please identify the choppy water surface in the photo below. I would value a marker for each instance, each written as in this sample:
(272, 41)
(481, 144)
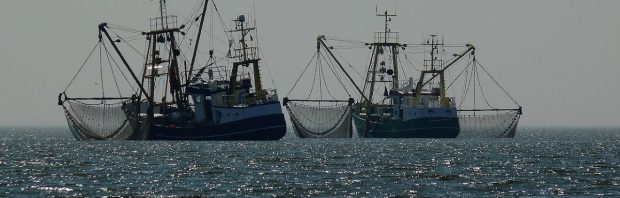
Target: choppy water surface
(539, 162)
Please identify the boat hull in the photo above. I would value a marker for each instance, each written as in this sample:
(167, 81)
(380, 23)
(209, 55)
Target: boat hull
(430, 127)
(269, 127)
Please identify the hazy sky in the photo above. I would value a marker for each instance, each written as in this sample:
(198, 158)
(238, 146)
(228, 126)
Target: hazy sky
(558, 58)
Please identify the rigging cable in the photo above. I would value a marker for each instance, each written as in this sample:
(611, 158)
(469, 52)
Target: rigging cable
(368, 72)
(511, 98)
(458, 76)
(316, 65)
(466, 86)
(482, 91)
(475, 70)
(325, 81)
(331, 66)
(402, 69)
(118, 67)
(320, 69)
(101, 73)
(82, 66)
(122, 39)
(228, 35)
(126, 29)
(347, 62)
(302, 73)
(112, 70)
(273, 83)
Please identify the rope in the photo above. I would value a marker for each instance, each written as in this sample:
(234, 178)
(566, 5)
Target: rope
(331, 66)
(101, 72)
(321, 81)
(402, 70)
(466, 87)
(302, 73)
(511, 98)
(347, 62)
(130, 46)
(458, 76)
(368, 71)
(126, 29)
(482, 91)
(82, 66)
(112, 70)
(228, 35)
(344, 40)
(314, 78)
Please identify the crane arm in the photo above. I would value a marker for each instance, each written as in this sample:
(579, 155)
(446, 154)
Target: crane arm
(321, 40)
(470, 48)
(102, 27)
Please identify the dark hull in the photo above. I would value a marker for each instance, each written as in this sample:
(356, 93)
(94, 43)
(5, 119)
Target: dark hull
(436, 127)
(270, 127)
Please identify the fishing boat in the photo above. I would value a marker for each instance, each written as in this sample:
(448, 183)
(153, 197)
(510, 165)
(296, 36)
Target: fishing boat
(422, 112)
(414, 110)
(420, 108)
(175, 97)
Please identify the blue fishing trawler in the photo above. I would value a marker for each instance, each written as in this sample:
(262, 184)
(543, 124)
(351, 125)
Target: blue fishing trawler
(173, 98)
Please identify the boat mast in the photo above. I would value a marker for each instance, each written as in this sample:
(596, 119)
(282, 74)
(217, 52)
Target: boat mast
(162, 32)
(202, 20)
(245, 56)
(384, 40)
(162, 13)
(438, 71)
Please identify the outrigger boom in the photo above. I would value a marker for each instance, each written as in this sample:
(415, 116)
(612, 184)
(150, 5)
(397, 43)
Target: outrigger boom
(320, 39)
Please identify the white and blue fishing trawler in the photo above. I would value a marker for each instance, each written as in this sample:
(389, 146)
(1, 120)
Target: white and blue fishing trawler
(408, 108)
(419, 109)
(169, 99)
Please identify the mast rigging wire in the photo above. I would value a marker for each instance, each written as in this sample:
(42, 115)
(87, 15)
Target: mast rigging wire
(332, 66)
(82, 66)
(482, 90)
(122, 39)
(117, 66)
(302, 73)
(511, 98)
(101, 73)
(112, 71)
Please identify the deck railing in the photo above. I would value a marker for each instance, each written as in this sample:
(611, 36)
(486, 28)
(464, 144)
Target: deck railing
(386, 37)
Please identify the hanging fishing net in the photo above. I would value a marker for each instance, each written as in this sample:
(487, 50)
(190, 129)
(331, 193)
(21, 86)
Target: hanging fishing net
(314, 120)
(488, 124)
(485, 109)
(99, 121)
(321, 113)
(106, 113)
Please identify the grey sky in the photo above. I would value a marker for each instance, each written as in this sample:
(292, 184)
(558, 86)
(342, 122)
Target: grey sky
(558, 58)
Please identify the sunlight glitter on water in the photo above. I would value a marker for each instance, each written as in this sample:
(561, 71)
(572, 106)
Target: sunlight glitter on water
(35, 162)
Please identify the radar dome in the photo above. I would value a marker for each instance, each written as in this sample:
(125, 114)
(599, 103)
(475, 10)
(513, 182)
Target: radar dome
(241, 18)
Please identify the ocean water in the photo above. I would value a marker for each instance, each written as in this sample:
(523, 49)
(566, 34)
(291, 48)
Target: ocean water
(538, 162)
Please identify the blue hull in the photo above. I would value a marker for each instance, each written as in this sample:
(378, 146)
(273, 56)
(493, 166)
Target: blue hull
(270, 127)
(435, 127)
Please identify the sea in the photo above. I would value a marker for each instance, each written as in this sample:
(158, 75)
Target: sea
(539, 162)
